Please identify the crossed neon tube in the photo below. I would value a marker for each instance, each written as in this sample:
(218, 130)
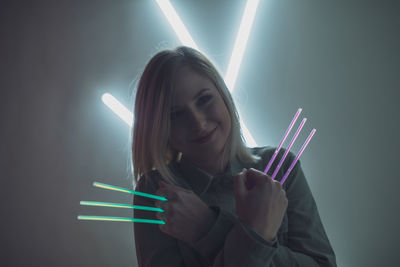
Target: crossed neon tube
(120, 189)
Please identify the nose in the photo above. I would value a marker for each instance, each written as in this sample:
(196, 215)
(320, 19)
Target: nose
(198, 121)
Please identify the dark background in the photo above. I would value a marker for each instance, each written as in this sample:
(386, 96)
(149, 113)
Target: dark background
(338, 60)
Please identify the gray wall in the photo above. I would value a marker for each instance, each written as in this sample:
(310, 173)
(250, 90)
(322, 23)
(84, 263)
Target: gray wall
(338, 60)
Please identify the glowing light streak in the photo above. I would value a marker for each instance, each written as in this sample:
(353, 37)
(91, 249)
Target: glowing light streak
(119, 109)
(240, 43)
(124, 190)
(119, 205)
(288, 148)
(283, 140)
(298, 156)
(176, 23)
(118, 219)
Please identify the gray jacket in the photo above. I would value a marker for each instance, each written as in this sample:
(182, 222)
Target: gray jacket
(301, 239)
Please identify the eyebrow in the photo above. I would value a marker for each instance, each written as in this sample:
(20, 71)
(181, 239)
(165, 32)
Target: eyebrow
(196, 96)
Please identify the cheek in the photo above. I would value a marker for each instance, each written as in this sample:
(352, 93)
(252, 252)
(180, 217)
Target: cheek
(227, 126)
(224, 117)
(177, 137)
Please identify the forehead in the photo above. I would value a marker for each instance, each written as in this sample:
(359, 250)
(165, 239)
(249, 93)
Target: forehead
(187, 78)
(188, 83)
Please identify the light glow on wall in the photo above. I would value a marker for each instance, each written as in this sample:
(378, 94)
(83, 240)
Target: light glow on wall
(122, 112)
(176, 23)
(186, 39)
(240, 43)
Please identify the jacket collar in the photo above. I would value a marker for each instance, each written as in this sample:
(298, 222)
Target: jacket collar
(200, 180)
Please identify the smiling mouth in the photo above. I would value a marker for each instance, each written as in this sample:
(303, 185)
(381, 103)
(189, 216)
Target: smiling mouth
(205, 137)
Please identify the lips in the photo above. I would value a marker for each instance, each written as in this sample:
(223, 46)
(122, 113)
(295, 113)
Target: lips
(204, 136)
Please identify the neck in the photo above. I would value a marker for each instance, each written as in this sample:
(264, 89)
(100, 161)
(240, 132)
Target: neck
(212, 167)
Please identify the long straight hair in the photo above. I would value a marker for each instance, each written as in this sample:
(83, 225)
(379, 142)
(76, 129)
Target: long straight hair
(154, 94)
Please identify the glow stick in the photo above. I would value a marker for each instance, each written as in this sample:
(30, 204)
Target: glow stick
(120, 189)
(118, 219)
(288, 149)
(283, 140)
(298, 156)
(118, 205)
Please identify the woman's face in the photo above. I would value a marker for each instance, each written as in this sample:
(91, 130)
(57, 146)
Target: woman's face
(197, 110)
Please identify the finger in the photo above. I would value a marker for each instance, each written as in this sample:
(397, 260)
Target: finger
(239, 184)
(283, 192)
(161, 183)
(277, 184)
(161, 215)
(162, 228)
(157, 203)
(164, 206)
(158, 215)
(252, 179)
(171, 187)
(162, 191)
(258, 173)
(252, 170)
(255, 177)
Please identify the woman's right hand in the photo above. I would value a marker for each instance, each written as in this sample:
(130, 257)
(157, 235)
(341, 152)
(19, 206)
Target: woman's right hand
(260, 202)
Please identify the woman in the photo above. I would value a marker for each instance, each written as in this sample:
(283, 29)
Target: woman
(222, 210)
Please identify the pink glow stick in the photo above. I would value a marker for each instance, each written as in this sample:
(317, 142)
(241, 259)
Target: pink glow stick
(298, 156)
(288, 149)
(283, 140)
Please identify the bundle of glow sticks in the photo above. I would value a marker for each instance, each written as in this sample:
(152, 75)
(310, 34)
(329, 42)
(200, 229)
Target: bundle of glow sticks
(289, 147)
(118, 205)
(120, 189)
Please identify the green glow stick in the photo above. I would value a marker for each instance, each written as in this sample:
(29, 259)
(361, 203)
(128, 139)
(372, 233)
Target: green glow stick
(120, 189)
(118, 219)
(118, 205)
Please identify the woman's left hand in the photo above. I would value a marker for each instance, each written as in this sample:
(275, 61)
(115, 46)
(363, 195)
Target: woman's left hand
(186, 216)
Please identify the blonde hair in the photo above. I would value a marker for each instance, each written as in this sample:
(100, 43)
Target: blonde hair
(151, 130)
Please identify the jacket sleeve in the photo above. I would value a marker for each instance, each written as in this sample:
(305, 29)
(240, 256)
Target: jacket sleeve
(212, 246)
(231, 243)
(307, 243)
(153, 247)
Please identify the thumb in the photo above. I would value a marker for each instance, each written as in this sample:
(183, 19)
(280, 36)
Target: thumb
(239, 185)
(168, 186)
(161, 183)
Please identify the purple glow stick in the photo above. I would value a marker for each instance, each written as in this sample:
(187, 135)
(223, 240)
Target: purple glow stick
(283, 140)
(298, 156)
(288, 149)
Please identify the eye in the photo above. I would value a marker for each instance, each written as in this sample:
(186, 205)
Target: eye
(202, 101)
(205, 99)
(175, 114)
